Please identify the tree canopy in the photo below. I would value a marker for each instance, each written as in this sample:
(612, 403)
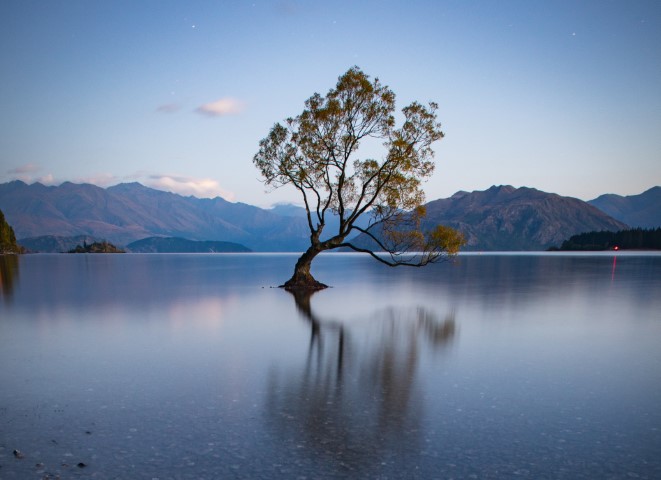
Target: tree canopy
(316, 153)
(96, 247)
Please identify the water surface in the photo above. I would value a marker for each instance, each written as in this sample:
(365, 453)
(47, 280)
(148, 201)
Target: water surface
(193, 366)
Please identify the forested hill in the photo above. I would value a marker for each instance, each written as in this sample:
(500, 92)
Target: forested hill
(96, 247)
(7, 238)
(632, 239)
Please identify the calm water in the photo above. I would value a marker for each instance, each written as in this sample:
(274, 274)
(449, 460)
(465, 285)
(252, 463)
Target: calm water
(192, 366)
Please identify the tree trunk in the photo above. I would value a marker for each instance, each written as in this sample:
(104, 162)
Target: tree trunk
(302, 278)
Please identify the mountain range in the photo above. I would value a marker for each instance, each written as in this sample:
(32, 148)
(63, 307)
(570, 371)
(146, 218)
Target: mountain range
(499, 218)
(130, 211)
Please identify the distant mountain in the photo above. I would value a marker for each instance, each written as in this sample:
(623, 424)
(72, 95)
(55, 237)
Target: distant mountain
(288, 210)
(182, 245)
(128, 212)
(509, 219)
(643, 210)
(332, 220)
(55, 243)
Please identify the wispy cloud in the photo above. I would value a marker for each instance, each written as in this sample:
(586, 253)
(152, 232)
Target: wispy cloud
(198, 187)
(28, 168)
(101, 179)
(222, 107)
(287, 7)
(47, 179)
(168, 108)
(29, 173)
(180, 184)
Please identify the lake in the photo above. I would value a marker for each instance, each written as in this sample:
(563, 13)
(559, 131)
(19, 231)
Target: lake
(193, 366)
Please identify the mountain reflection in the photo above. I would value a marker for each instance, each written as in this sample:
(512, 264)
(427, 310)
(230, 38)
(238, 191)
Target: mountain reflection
(356, 395)
(8, 275)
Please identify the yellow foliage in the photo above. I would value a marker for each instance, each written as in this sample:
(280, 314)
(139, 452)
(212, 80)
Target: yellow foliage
(445, 239)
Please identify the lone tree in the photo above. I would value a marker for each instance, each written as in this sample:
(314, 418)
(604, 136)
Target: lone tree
(316, 153)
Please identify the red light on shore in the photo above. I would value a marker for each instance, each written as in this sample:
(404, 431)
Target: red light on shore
(616, 247)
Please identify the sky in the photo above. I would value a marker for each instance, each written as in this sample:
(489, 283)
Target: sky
(559, 95)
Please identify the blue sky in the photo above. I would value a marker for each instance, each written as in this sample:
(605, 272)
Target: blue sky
(563, 96)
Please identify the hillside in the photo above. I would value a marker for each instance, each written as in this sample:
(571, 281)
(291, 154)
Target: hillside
(182, 245)
(508, 218)
(504, 218)
(643, 210)
(129, 212)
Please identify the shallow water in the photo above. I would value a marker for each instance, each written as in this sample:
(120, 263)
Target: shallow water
(193, 366)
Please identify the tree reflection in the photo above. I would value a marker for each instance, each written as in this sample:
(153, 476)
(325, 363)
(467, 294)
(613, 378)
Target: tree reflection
(356, 396)
(8, 275)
